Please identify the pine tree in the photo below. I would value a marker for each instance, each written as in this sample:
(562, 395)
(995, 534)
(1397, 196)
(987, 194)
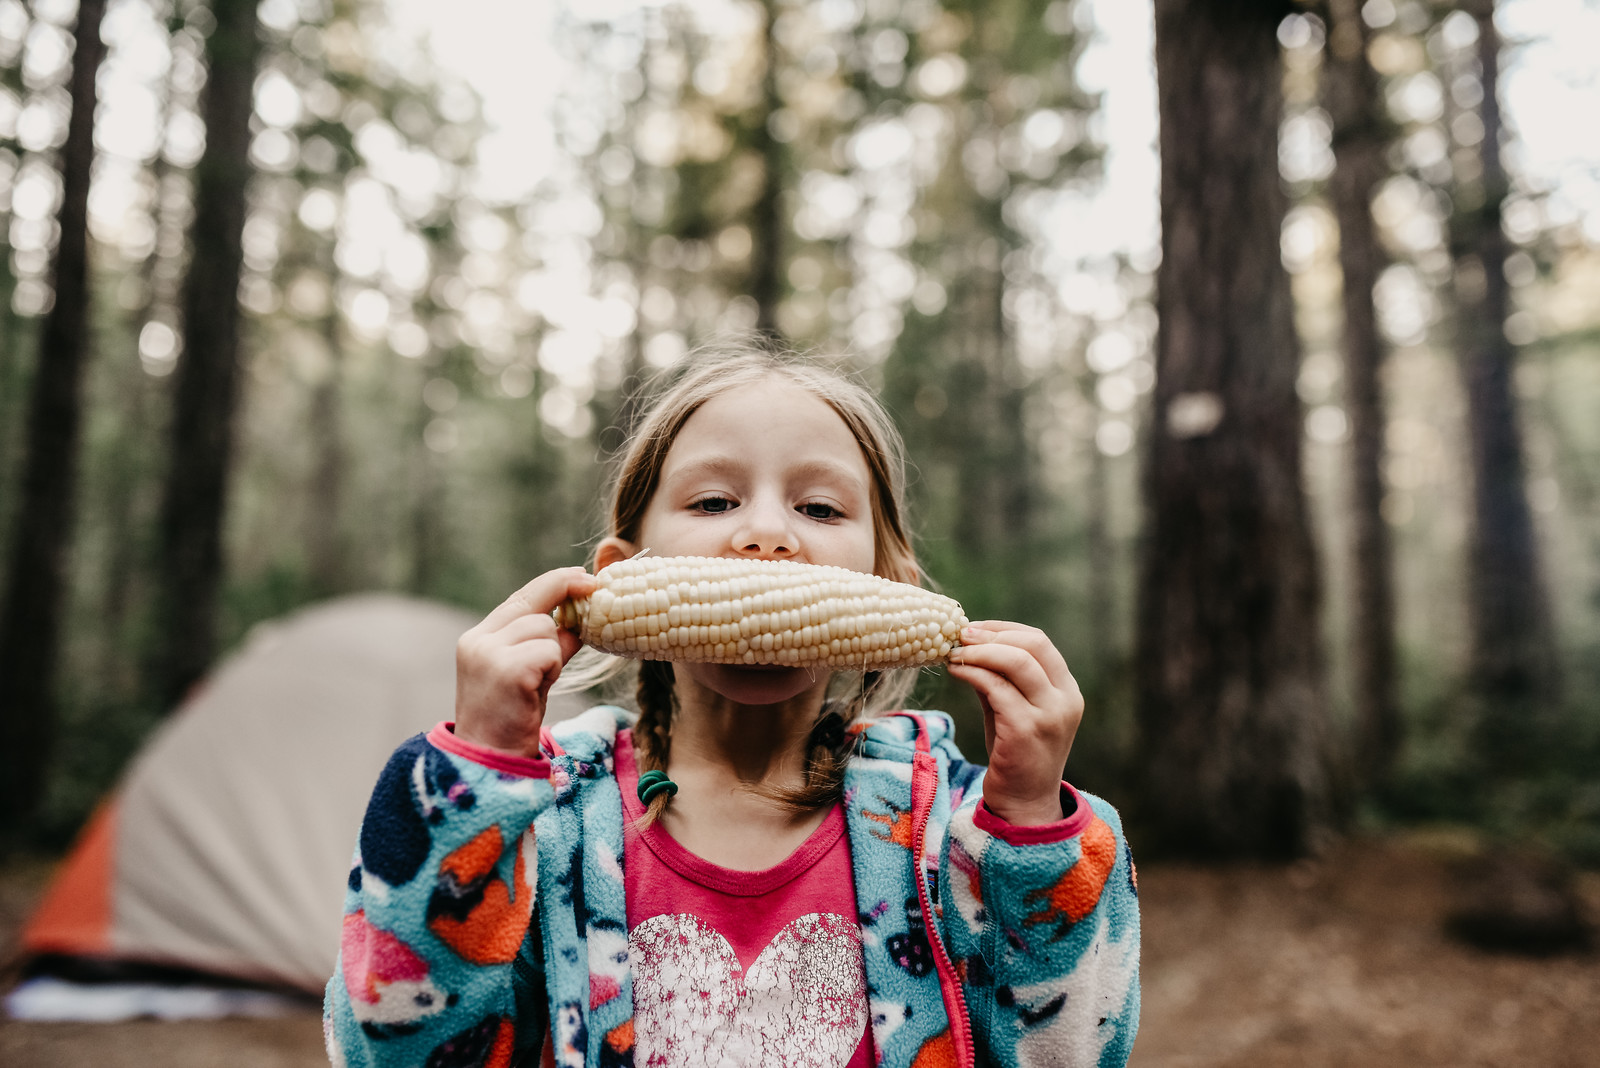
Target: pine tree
(1515, 669)
(32, 615)
(1231, 701)
(208, 377)
(1360, 139)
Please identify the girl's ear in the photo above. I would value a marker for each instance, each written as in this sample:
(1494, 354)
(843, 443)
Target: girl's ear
(611, 550)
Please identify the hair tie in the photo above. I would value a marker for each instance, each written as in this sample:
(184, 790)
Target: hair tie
(652, 783)
(828, 731)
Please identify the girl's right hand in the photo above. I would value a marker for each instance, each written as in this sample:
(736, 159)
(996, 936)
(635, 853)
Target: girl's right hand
(506, 664)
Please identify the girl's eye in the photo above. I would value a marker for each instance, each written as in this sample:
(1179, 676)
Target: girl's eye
(712, 505)
(819, 510)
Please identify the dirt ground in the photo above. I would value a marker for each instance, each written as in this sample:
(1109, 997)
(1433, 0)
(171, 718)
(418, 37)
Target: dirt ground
(1325, 964)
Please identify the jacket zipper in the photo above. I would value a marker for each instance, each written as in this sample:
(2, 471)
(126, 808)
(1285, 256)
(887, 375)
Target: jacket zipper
(922, 810)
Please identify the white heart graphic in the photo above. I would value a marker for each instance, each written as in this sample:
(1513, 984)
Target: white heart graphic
(803, 1001)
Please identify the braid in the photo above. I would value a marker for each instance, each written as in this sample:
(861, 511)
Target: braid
(828, 749)
(652, 734)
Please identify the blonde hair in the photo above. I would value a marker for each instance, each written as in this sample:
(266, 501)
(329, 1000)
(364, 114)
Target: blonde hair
(709, 372)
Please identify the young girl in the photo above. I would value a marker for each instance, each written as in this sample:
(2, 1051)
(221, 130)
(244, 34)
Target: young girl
(769, 865)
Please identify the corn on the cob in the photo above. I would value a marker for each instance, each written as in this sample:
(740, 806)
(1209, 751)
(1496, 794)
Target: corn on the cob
(711, 610)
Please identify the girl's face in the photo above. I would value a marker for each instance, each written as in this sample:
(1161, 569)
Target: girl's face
(767, 471)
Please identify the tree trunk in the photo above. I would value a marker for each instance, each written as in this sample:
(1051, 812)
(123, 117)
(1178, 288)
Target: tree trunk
(1360, 136)
(207, 386)
(13, 387)
(30, 628)
(13, 376)
(1231, 701)
(127, 512)
(128, 507)
(326, 559)
(766, 216)
(428, 531)
(994, 476)
(1514, 668)
(1102, 594)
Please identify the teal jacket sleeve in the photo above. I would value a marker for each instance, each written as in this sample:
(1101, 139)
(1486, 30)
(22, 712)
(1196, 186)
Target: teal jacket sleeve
(437, 909)
(1043, 926)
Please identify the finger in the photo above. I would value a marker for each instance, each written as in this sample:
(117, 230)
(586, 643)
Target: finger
(998, 696)
(541, 596)
(1014, 720)
(1019, 666)
(536, 648)
(569, 645)
(536, 626)
(501, 646)
(1032, 639)
(540, 662)
(988, 718)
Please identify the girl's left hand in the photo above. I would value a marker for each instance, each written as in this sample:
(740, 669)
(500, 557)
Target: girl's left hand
(1031, 710)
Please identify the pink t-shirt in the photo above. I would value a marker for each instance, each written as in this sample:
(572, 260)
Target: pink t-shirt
(742, 967)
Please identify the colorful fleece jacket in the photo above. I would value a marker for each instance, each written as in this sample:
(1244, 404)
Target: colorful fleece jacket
(979, 949)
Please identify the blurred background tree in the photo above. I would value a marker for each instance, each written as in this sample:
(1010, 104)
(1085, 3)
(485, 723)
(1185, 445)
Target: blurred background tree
(1515, 670)
(434, 362)
(207, 384)
(1360, 134)
(35, 589)
(1234, 748)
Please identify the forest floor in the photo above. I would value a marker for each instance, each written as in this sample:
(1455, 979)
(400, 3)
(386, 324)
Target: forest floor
(1341, 961)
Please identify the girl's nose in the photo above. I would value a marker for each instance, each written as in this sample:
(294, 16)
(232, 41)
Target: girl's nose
(766, 531)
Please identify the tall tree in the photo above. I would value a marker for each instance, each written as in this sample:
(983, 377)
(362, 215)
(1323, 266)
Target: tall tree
(12, 371)
(995, 74)
(30, 626)
(1360, 138)
(767, 225)
(207, 387)
(1231, 702)
(325, 546)
(1514, 667)
(130, 498)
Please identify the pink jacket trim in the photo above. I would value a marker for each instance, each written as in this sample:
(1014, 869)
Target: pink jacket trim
(1039, 834)
(444, 737)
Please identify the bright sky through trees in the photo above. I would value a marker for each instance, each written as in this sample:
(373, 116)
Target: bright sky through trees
(503, 50)
(1552, 83)
(512, 66)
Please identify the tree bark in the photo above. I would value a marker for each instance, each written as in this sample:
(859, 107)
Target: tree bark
(995, 469)
(1231, 704)
(207, 386)
(327, 562)
(1360, 136)
(13, 387)
(30, 628)
(1102, 599)
(428, 529)
(1515, 667)
(766, 216)
(13, 377)
(129, 507)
